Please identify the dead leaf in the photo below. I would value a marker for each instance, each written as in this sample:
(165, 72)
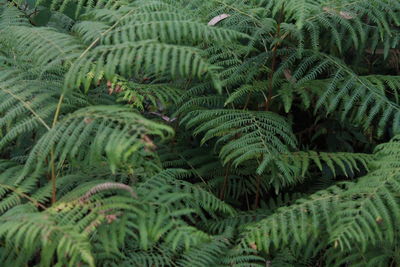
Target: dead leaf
(343, 14)
(217, 19)
(346, 15)
(111, 217)
(88, 120)
(149, 142)
(118, 88)
(288, 76)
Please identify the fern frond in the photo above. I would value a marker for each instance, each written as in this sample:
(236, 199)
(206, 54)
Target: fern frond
(111, 131)
(306, 218)
(202, 199)
(41, 229)
(46, 46)
(371, 213)
(244, 135)
(345, 163)
(362, 98)
(142, 56)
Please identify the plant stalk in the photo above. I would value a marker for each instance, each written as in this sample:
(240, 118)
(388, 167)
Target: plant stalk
(52, 157)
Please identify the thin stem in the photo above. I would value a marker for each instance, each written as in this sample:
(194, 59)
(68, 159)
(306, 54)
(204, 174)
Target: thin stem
(22, 194)
(247, 200)
(257, 200)
(53, 178)
(223, 189)
(27, 106)
(247, 101)
(57, 114)
(52, 157)
(104, 33)
(273, 64)
(58, 109)
(198, 174)
(270, 83)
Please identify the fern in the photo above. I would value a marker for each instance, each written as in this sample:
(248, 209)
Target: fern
(258, 135)
(199, 133)
(113, 132)
(374, 202)
(298, 222)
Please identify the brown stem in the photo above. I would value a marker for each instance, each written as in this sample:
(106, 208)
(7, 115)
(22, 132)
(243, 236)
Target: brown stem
(273, 66)
(274, 58)
(22, 194)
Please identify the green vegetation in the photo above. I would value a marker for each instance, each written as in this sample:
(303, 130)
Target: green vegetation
(199, 133)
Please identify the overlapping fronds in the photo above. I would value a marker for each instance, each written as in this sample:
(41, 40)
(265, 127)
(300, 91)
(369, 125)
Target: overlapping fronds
(354, 216)
(372, 211)
(244, 135)
(305, 219)
(364, 99)
(115, 133)
(199, 133)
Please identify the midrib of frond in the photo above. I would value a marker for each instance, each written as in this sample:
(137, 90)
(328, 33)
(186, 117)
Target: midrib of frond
(93, 44)
(260, 133)
(368, 196)
(27, 106)
(254, 232)
(370, 89)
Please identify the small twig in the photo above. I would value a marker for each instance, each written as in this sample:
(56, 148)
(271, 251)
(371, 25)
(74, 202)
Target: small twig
(273, 64)
(15, 190)
(258, 185)
(223, 189)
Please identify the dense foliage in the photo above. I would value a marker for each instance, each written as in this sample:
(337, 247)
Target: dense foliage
(199, 133)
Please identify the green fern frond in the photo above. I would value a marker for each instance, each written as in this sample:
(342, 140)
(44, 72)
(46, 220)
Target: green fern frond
(371, 213)
(142, 56)
(199, 133)
(307, 218)
(345, 163)
(46, 46)
(41, 228)
(244, 135)
(107, 131)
